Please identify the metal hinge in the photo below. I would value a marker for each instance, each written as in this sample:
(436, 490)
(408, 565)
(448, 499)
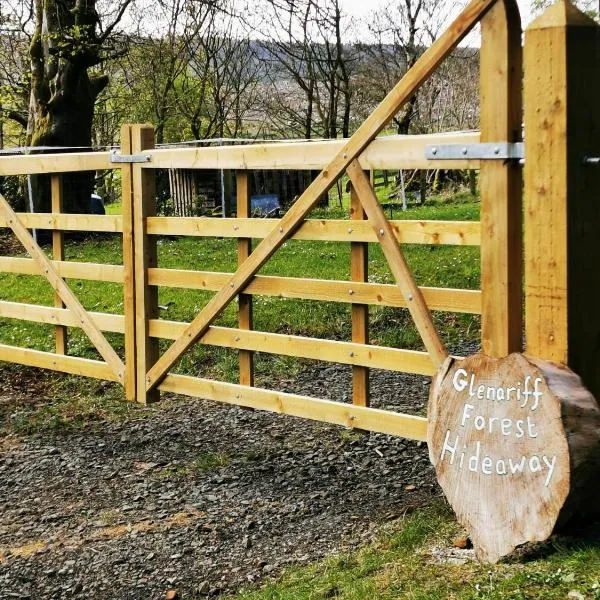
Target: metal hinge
(129, 158)
(484, 151)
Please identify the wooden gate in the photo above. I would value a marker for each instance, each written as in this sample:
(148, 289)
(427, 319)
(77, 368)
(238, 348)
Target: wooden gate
(145, 372)
(68, 311)
(499, 302)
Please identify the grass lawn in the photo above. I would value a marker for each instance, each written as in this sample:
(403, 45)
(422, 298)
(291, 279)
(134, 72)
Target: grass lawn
(439, 266)
(412, 561)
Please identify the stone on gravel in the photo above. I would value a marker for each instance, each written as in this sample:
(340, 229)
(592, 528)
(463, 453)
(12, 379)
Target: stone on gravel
(122, 509)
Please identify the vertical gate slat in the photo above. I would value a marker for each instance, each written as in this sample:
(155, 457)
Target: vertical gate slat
(360, 312)
(244, 300)
(58, 253)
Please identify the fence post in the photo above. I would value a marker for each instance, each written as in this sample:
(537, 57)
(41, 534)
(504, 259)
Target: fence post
(562, 210)
(128, 267)
(501, 183)
(58, 253)
(145, 257)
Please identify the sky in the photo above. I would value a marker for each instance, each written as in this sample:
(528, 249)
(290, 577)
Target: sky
(362, 8)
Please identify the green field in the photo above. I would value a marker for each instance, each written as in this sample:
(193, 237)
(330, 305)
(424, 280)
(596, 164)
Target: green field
(438, 266)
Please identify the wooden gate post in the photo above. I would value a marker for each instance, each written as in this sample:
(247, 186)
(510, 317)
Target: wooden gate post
(501, 183)
(562, 192)
(129, 306)
(146, 296)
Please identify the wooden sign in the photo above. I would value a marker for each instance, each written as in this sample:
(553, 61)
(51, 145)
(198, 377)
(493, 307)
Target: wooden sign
(513, 442)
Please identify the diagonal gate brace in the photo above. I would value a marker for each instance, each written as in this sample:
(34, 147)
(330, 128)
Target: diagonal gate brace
(286, 227)
(62, 289)
(397, 263)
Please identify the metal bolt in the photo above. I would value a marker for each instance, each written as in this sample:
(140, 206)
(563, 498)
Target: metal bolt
(235, 227)
(410, 297)
(345, 155)
(281, 230)
(349, 229)
(465, 151)
(351, 292)
(381, 232)
(232, 284)
(351, 354)
(434, 151)
(237, 338)
(496, 150)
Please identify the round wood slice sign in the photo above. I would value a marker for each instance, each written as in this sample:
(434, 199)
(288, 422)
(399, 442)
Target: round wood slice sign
(498, 439)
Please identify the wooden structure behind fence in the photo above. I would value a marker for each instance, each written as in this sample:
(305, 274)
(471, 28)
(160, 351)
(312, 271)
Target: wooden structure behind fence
(145, 373)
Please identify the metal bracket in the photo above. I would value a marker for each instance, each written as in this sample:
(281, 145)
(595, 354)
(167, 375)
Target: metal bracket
(129, 158)
(486, 151)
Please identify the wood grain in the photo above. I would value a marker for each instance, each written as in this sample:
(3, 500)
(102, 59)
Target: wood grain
(501, 182)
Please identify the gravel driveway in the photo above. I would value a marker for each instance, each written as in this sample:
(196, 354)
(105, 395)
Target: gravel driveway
(201, 497)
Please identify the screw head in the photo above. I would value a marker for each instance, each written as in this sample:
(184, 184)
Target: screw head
(381, 232)
(465, 151)
(434, 151)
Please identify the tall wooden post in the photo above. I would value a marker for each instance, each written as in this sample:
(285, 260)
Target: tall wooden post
(501, 183)
(129, 306)
(146, 296)
(562, 192)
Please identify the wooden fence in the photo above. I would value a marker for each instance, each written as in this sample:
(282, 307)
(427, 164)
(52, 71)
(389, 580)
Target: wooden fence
(144, 372)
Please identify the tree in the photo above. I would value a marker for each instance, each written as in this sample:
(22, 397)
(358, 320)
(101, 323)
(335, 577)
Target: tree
(310, 70)
(69, 40)
(402, 31)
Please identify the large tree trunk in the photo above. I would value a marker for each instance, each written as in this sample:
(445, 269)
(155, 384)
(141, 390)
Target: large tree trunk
(61, 110)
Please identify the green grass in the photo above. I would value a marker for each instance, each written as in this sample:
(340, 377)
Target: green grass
(439, 266)
(410, 562)
(43, 402)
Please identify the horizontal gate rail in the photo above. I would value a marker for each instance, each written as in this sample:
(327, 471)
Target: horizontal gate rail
(388, 153)
(375, 357)
(327, 290)
(430, 232)
(66, 269)
(70, 162)
(57, 362)
(66, 222)
(328, 411)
